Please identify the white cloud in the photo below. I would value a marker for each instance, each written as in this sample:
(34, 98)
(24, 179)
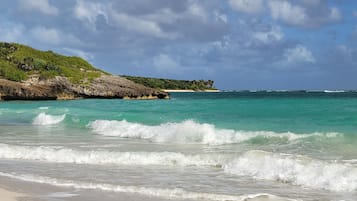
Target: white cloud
(146, 24)
(11, 32)
(273, 35)
(197, 10)
(221, 17)
(89, 11)
(298, 54)
(313, 2)
(247, 6)
(142, 26)
(165, 63)
(304, 13)
(335, 14)
(52, 36)
(45, 35)
(42, 6)
(288, 13)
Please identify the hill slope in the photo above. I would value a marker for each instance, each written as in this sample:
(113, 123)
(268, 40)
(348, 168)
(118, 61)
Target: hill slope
(30, 74)
(17, 62)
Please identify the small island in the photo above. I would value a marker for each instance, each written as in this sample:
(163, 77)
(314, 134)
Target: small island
(30, 74)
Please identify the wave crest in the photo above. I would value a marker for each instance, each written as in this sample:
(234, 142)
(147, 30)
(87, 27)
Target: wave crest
(63, 155)
(46, 119)
(294, 169)
(187, 132)
(297, 170)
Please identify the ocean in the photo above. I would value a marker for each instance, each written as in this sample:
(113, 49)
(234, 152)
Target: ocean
(196, 146)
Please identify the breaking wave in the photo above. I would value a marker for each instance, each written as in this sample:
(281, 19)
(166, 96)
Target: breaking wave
(188, 132)
(176, 193)
(46, 119)
(63, 155)
(286, 168)
(297, 170)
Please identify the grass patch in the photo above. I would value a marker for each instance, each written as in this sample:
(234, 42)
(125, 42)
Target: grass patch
(17, 62)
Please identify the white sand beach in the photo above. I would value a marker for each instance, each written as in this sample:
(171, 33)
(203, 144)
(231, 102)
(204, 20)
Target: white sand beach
(6, 195)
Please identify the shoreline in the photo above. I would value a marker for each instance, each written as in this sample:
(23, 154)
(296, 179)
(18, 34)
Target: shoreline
(7, 195)
(188, 90)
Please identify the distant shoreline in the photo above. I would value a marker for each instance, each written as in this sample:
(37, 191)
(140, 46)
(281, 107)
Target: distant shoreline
(189, 90)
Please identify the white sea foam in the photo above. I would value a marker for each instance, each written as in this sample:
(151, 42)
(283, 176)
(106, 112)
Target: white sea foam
(63, 155)
(176, 193)
(297, 170)
(294, 169)
(46, 119)
(188, 132)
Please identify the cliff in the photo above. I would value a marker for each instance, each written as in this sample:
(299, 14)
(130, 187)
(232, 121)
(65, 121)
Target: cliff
(29, 74)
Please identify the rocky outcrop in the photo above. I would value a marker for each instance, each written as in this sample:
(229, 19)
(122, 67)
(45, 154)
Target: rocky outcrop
(60, 88)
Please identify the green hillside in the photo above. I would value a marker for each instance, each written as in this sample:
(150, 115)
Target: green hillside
(157, 83)
(17, 62)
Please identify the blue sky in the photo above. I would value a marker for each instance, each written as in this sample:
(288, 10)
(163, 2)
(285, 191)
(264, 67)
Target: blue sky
(240, 44)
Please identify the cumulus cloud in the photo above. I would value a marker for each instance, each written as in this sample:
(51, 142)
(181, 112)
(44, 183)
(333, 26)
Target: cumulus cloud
(247, 6)
(298, 54)
(286, 12)
(304, 13)
(52, 36)
(89, 11)
(335, 14)
(142, 26)
(165, 63)
(269, 36)
(159, 19)
(11, 32)
(42, 6)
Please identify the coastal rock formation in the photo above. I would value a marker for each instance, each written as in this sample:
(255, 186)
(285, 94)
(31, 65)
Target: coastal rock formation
(60, 88)
(30, 74)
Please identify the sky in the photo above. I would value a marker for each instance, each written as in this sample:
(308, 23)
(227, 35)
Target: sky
(240, 44)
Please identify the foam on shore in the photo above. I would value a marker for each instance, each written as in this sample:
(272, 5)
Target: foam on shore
(176, 193)
(286, 168)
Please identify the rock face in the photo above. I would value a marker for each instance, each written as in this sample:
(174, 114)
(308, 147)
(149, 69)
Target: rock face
(60, 88)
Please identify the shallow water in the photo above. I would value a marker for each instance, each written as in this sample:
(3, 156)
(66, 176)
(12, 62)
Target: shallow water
(196, 146)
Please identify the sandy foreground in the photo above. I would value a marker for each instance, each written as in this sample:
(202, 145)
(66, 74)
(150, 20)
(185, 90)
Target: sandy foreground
(6, 195)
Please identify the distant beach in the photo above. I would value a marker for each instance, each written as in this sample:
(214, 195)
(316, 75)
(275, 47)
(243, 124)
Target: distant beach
(189, 90)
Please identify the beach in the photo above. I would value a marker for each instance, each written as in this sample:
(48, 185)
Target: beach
(8, 195)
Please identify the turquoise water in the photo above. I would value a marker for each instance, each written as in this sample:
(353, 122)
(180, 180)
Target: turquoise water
(295, 145)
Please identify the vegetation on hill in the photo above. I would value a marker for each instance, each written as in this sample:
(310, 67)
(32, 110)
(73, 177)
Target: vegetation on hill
(18, 62)
(157, 83)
